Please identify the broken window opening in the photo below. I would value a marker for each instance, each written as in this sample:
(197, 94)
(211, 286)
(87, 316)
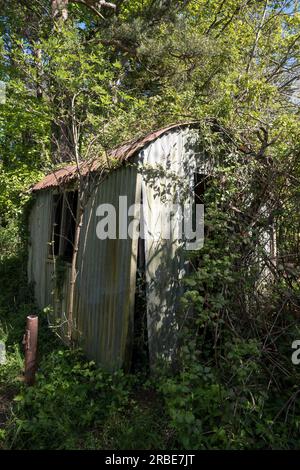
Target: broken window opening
(64, 225)
(201, 185)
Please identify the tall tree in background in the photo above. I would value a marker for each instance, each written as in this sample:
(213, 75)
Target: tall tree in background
(133, 65)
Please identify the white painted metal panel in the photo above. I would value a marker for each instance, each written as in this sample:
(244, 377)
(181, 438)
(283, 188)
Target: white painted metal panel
(171, 159)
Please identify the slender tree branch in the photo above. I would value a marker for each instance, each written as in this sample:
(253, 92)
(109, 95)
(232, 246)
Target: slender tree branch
(258, 33)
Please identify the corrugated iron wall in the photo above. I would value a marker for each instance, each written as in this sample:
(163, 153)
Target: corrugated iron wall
(106, 282)
(48, 289)
(39, 226)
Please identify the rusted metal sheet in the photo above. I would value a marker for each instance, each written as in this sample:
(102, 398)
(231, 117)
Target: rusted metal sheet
(122, 153)
(39, 237)
(41, 272)
(105, 286)
(127, 150)
(56, 178)
(30, 346)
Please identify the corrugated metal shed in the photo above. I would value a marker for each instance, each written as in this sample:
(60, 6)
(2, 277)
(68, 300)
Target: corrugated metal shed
(106, 281)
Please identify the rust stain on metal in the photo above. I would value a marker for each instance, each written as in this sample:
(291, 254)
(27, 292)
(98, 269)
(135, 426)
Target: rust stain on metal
(30, 346)
(55, 179)
(122, 153)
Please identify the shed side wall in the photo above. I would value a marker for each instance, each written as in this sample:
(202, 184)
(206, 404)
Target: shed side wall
(39, 236)
(105, 287)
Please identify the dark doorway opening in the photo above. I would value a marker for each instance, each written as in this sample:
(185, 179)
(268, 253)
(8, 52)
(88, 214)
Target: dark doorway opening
(140, 350)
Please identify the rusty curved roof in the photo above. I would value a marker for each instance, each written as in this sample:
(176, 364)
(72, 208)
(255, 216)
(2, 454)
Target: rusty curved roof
(122, 153)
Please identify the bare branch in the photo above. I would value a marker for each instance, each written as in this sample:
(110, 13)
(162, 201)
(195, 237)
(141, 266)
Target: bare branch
(96, 5)
(258, 33)
(105, 4)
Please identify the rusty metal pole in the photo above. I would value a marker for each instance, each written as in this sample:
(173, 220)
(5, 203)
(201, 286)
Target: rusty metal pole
(30, 344)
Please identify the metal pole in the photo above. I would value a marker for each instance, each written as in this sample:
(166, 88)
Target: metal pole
(30, 344)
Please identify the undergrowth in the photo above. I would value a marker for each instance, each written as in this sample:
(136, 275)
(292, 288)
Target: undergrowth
(234, 388)
(74, 404)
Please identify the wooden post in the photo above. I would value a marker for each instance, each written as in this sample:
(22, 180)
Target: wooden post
(30, 344)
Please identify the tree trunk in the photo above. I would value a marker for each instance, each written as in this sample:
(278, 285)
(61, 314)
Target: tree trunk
(61, 138)
(74, 272)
